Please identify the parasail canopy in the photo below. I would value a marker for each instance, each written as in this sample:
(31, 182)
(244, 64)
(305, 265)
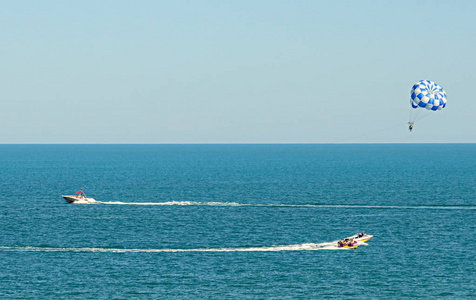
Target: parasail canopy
(427, 94)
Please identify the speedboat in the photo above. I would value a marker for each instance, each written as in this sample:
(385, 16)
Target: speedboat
(361, 237)
(79, 198)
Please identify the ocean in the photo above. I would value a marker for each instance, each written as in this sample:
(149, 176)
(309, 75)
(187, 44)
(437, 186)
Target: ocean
(238, 221)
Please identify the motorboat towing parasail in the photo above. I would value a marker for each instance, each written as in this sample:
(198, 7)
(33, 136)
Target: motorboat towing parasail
(79, 198)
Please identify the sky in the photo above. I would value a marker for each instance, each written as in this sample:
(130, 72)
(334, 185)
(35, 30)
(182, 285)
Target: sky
(267, 71)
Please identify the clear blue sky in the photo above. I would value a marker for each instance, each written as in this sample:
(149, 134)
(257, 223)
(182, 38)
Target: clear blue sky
(233, 71)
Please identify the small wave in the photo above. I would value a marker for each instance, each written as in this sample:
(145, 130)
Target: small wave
(297, 247)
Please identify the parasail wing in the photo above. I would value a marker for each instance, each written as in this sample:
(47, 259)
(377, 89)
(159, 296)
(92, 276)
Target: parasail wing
(429, 95)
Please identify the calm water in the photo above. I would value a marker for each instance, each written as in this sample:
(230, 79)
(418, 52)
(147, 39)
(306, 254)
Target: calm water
(237, 221)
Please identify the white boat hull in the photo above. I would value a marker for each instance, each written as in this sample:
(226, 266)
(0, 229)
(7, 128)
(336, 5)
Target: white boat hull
(361, 239)
(78, 199)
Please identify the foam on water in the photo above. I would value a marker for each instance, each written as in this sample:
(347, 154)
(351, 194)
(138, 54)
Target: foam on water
(297, 247)
(180, 203)
(196, 203)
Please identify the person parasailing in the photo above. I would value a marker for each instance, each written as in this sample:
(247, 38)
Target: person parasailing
(426, 95)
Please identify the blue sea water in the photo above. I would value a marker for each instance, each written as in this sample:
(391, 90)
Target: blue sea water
(238, 221)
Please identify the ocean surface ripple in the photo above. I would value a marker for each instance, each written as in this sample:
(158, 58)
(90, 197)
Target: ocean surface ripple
(238, 221)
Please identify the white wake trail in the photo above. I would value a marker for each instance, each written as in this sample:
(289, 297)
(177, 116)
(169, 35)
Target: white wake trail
(197, 203)
(179, 203)
(297, 247)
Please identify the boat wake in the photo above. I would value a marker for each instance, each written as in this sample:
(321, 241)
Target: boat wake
(350, 206)
(179, 203)
(297, 247)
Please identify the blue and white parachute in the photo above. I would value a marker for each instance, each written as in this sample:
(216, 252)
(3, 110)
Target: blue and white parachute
(428, 94)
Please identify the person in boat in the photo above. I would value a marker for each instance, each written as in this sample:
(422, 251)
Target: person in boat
(342, 243)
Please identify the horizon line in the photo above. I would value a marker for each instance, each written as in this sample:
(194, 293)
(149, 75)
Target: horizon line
(241, 143)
